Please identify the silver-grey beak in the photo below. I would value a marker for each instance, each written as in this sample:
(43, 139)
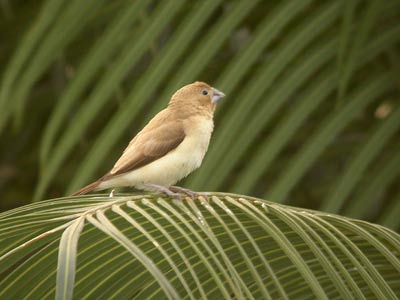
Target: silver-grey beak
(217, 95)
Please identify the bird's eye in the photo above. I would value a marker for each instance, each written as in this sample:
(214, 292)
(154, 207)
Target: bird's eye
(204, 92)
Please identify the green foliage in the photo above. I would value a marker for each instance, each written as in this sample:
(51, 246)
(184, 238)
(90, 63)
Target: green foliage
(311, 116)
(223, 247)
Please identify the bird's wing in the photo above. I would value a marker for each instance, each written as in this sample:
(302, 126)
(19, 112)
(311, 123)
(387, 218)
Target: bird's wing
(149, 145)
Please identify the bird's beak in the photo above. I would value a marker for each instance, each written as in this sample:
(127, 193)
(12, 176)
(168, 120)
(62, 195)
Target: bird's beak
(217, 95)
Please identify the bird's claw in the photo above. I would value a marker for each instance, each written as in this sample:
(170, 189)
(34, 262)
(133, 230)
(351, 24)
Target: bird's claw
(176, 192)
(164, 190)
(188, 192)
(172, 194)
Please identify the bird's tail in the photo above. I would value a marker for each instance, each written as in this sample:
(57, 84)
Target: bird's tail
(87, 189)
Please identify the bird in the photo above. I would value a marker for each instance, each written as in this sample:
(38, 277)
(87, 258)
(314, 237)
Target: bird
(170, 147)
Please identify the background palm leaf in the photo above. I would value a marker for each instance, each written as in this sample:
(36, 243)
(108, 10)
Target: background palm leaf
(311, 116)
(144, 247)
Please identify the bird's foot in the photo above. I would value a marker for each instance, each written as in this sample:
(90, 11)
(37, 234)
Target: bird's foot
(163, 190)
(187, 192)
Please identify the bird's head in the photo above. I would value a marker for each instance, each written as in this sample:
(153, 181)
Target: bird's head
(196, 97)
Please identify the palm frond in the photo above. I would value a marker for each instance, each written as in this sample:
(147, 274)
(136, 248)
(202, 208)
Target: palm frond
(230, 246)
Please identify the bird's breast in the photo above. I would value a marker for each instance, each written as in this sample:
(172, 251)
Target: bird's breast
(198, 133)
(177, 163)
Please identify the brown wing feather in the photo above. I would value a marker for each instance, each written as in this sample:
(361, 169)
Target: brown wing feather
(155, 140)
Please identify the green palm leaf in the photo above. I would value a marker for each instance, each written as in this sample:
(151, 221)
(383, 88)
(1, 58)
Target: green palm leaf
(229, 246)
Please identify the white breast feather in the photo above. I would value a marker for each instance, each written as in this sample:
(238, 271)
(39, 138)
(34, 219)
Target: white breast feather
(175, 165)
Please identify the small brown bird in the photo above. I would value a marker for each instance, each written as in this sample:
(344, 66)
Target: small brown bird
(169, 147)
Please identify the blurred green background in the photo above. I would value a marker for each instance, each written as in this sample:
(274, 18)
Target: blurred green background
(311, 116)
